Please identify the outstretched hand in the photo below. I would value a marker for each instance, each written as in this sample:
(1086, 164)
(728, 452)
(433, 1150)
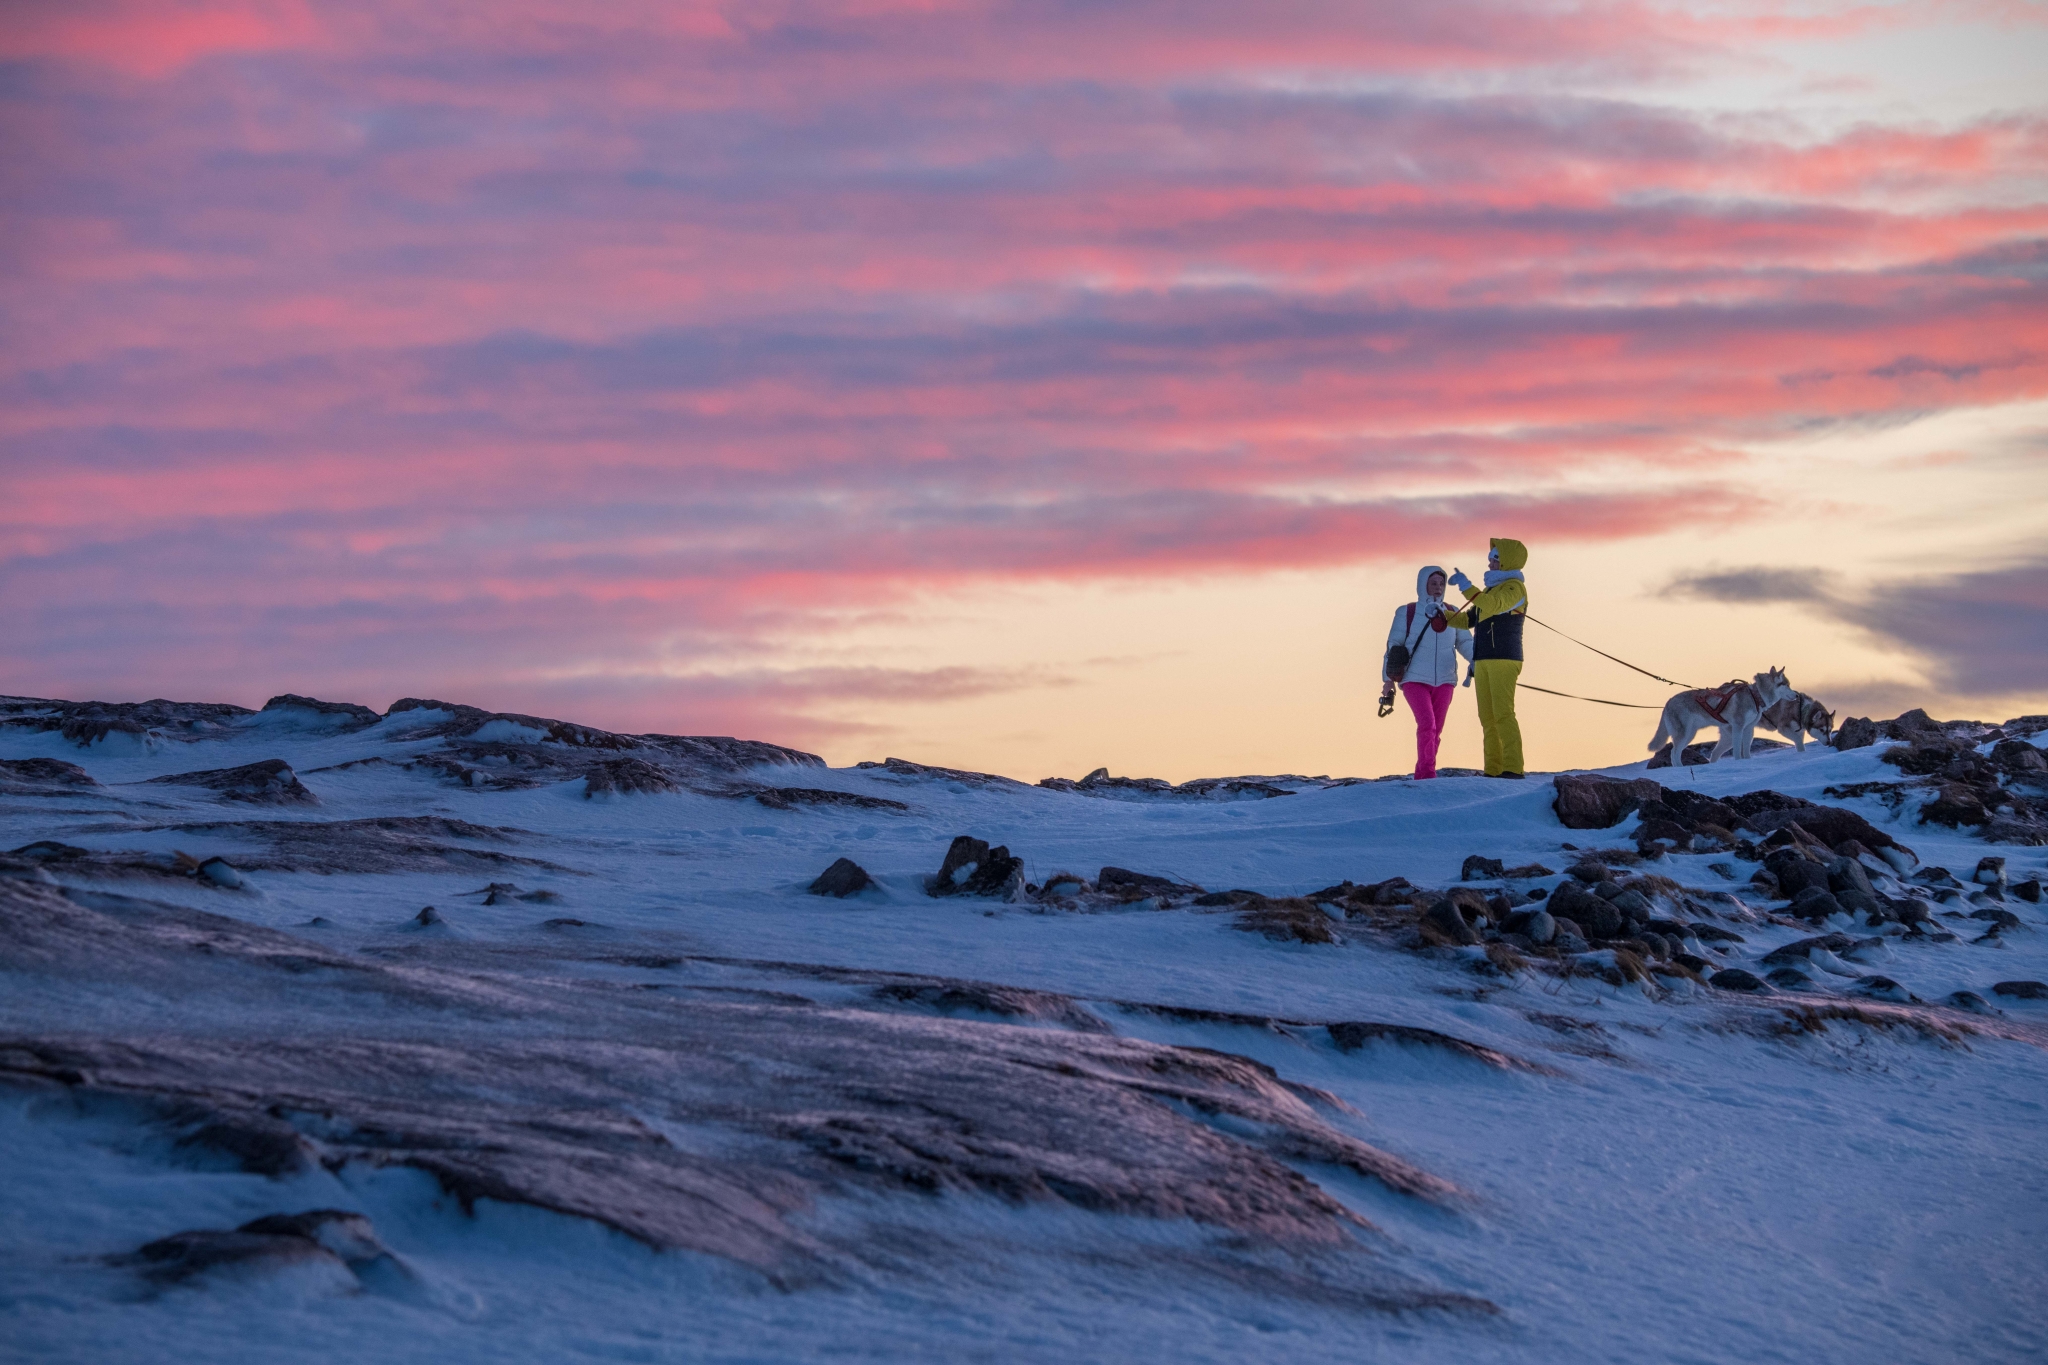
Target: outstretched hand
(1459, 580)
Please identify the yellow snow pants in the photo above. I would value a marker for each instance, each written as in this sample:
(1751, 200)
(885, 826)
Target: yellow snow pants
(1495, 679)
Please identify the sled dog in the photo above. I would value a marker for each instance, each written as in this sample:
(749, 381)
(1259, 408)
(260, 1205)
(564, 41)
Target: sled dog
(1735, 707)
(1798, 716)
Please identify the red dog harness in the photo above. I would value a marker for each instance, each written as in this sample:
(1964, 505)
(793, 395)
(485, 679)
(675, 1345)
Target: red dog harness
(1714, 701)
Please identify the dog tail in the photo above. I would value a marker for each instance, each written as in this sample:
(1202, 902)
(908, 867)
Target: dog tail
(1663, 724)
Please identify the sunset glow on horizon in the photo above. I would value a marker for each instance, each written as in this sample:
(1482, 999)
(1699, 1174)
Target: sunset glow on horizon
(1024, 388)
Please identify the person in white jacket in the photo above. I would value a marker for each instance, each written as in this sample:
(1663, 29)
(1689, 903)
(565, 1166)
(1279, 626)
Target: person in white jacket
(1434, 647)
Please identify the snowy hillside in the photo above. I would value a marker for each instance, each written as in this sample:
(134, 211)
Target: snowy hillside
(443, 1035)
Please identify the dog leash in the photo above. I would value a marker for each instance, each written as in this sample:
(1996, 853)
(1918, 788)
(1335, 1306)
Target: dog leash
(1631, 705)
(1605, 655)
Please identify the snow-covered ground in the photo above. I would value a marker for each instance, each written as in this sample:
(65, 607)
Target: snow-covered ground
(1654, 1172)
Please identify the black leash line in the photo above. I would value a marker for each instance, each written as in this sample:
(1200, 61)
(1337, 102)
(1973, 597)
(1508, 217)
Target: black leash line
(1605, 655)
(1631, 705)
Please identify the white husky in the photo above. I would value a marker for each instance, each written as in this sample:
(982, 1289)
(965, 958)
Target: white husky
(1735, 707)
(1798, 716)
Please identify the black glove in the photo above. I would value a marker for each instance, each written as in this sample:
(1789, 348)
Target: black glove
(1386, 703)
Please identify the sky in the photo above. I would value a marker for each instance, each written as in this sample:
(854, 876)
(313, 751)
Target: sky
(1021, 387)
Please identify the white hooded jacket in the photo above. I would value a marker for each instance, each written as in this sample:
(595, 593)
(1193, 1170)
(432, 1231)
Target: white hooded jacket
(1433, 653)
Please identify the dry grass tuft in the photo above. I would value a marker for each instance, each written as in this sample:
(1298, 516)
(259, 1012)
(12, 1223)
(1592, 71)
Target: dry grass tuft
(1289, 918)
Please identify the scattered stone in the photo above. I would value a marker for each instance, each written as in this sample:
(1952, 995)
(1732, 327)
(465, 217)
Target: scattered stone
(1990, 872)
(564, 922)
(1478, 868)
(1736, 979)
(1971, 1001)
(2022, 990)
(427, 916)
(844, 878)
(1828, 825)
(2017, 758)
(1526, 871)
(1955, 805)
(2028, 890)
(1790, 978)
(1857, 732)
(1884, 988)
(629, 776)
(1797, 952)
(1589, 801)
(1536, 925)
(2001, 919)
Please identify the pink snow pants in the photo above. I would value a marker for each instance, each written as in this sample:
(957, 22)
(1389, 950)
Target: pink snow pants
(1432, 707)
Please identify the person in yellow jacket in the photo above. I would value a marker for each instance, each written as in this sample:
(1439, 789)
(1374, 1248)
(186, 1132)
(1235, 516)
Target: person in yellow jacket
(1494, 616)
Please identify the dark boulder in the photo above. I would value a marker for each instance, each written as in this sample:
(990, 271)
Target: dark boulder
(844, 878)
(1846, 874)
(1635, 907)
(1829, 825)
(222, 873)
(334, 1237)
(2028, 890)
(1955, 805)
(1478, 868)
(1448, 921)
(1538, 926)
(1884, 988)
(1971, 1001)
(1857, 732)
(2017, 758)
(1589, 801)
(2022, 990)
(1527, 870)
(1596, 917)
(1814, 903)
(1736, 979)
(1789, 978)
(1795, 873)
(972, 868)
(1990, 872)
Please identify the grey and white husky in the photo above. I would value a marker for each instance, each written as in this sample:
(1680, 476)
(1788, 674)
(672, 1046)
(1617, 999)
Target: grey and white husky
(1798, 716)
(1736, 707)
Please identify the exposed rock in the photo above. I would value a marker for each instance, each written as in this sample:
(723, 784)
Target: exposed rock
(1590, 801)
(621, 776)
(1289, 917)
(26, 776)
(340, 716)
(428, 917)
(85, 723)
(1736, 979)
(972, 868)
(789, 798)
(1990, 871)
(2022, 990)
(1447, 920)
(269, 783)
(2028, 890)
(844, 878)
(397, 843)
(1971, 1001)
(902, 767)
(1857, 732)
(341, 1240)
(1478, 868)
(1536, 925)
(1789, 978)
(2017, 758)
(1814, 903)
(1121, 881)
(1594, 916)
(2002, 919)
(1527, 870)
(1828, 825)
(541, 1099)
(1009, 1002)
(1955, 806)
(1100, 783)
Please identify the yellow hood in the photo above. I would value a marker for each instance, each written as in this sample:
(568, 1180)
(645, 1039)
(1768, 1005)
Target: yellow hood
(1513, 553)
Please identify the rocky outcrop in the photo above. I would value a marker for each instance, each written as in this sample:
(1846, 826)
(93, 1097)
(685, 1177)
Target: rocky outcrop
(85, 723)
(269, 783)
(339, 716)
(42, 776)
(331, 1238)
(1590, 801)
(926, 772)
(844, 878)
(1100, 783)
